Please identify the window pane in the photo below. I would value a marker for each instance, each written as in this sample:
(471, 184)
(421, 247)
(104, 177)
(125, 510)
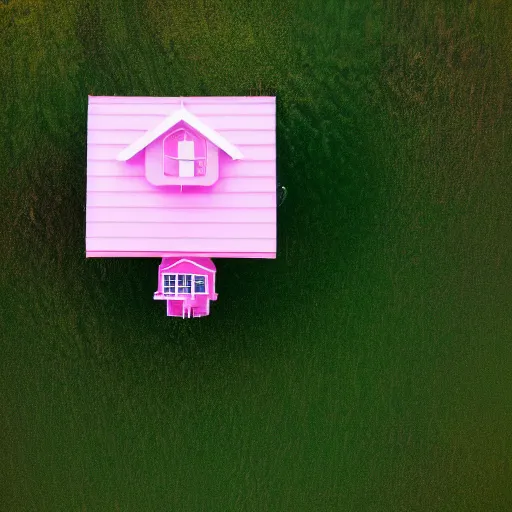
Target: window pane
(171, 143)
(185, 283)
(186, 156)
(169, 283)
(200, 284)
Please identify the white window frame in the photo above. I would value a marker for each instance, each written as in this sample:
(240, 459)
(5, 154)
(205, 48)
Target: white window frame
(176, 157)
(193, 292)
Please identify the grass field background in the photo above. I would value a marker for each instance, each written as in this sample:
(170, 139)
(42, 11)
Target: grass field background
(368, 368)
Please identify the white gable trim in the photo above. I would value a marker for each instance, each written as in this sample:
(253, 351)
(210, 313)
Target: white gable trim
(194, 122)
(184, 260)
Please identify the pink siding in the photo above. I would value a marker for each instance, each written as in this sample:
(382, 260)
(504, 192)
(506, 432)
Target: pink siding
(237, 137)
(186, 245)
(180, 200)
(233, 168)
(147, 122)
(198, 109)
(127, 216)
(140, 184)
(163, 254)
(180, 231)
(110, 151)
(221, 216)
(206, 100)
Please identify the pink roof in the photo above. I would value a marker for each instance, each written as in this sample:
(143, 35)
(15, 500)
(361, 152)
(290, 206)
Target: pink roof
(177, 116)
(127, 216)
(206, 263)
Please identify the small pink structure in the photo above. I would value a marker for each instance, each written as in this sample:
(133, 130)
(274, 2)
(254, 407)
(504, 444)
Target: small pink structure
(184, 179)
(187, 285)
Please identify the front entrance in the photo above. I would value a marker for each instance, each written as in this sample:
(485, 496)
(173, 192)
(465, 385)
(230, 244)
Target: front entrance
(187, 309)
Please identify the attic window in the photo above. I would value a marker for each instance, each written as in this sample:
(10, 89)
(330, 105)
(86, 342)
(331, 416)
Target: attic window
(184, 154)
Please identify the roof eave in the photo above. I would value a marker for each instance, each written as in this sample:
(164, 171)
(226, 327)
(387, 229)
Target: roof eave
(186, 116)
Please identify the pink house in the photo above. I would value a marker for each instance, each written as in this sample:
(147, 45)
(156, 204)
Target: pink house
(187, 285)
(184, 179)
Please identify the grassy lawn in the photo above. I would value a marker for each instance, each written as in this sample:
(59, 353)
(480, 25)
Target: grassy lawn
(368, 368)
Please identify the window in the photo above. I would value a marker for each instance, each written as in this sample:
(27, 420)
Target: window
(184, 284)
(169, 283)
(200, 285)
(184, 154)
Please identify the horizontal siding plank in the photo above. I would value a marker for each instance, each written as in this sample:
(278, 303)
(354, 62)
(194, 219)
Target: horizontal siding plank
(243, 169)
(114, 168)
(196, 108)
(110, 152)
(177, 230)
(147, 122)
(258, 153)
(127, 137)
(141, 184)
(231, 168)
(206, 245)
(177, 101)
(170, 254)
(181, 215)
(123, 137)
(120, 184)
(182, 200)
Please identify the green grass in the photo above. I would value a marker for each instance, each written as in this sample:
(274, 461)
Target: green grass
(368, 367)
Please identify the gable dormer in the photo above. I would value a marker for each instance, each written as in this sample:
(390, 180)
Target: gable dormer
(181, 150)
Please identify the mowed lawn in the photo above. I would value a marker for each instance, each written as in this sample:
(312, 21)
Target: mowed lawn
(368, 368)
